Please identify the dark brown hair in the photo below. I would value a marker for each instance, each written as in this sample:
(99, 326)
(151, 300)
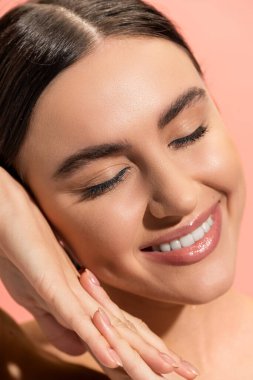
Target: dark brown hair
(41, 38)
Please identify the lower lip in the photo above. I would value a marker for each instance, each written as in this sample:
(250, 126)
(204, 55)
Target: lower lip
(195, 252)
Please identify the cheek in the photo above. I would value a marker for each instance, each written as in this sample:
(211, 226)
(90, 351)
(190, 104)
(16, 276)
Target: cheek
(219, 166)
(103, 232)
(225, 170)
(220, 169)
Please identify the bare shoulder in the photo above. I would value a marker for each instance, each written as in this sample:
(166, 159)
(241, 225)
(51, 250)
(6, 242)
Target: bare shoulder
(33, 331)
(29, 360)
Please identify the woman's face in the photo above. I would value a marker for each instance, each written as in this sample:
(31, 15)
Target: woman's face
(133, 177)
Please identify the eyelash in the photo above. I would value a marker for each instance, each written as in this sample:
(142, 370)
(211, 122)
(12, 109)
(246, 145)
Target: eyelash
(183, 142)
(96, 190)
(102, 188)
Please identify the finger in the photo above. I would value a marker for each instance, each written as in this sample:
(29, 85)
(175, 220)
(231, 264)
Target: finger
(184, 368)
(149, 346)
(187, 370)
(161, 364)
(99, 346)
(151, 337)
(72, 308)
(158, 361)
(152, 357)
(37, 255)
(95, 342)
(91, 284)
(132, 362)
(148, 353)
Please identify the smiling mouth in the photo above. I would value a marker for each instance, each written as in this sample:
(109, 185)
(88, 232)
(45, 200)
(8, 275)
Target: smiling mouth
(188, 244)
(186, 240)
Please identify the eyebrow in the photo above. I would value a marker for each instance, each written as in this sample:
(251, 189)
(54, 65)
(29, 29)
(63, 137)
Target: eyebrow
(183, 101)
(84, 156)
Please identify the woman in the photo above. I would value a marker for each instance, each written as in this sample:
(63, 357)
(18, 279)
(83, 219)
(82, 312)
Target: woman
(108, 124)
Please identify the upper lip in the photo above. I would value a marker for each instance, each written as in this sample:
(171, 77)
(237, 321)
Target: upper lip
(181, 231)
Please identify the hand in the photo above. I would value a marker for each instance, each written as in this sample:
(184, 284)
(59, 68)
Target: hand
(39, 275)
(142, 354)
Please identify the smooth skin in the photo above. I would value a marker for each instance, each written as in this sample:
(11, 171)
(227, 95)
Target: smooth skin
(117, 94)
(38, 274)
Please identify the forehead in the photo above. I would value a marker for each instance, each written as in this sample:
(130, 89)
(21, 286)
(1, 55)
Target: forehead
(122, 84)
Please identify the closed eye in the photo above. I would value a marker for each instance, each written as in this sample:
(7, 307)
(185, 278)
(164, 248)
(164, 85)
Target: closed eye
(190, 139)
(94, 191)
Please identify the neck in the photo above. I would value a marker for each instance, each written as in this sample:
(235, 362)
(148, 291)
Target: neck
(159, 316)
(189, 330)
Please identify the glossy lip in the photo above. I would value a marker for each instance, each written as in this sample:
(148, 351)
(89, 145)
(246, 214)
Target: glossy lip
(195, 252)
(182, 231)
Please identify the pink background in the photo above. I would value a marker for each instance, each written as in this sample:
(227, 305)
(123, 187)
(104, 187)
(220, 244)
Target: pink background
(221, 34)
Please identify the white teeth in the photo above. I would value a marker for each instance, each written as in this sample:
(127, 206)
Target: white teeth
(165, 247)
(175, 244)
(206, 226)
(198, 234)
(187, 240)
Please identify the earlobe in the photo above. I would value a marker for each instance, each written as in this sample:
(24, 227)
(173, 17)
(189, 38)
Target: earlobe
(61, 242)
(64, 245)
(70, 254)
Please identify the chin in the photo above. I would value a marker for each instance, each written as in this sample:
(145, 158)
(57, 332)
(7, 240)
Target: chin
(209, 289)
(201, 286)
(211, 279)
(210, 292)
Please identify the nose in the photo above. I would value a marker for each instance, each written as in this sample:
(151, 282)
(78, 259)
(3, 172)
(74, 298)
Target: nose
(173, 191)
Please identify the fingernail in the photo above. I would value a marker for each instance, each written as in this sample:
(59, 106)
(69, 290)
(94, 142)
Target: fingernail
(168, 359)
(104, 317)
(92, 278)
(190, 367)
(174, 356)
(115, 357)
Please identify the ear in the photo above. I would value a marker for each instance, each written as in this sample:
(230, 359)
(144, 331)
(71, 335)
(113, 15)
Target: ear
(68, 251)
(62, 242)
